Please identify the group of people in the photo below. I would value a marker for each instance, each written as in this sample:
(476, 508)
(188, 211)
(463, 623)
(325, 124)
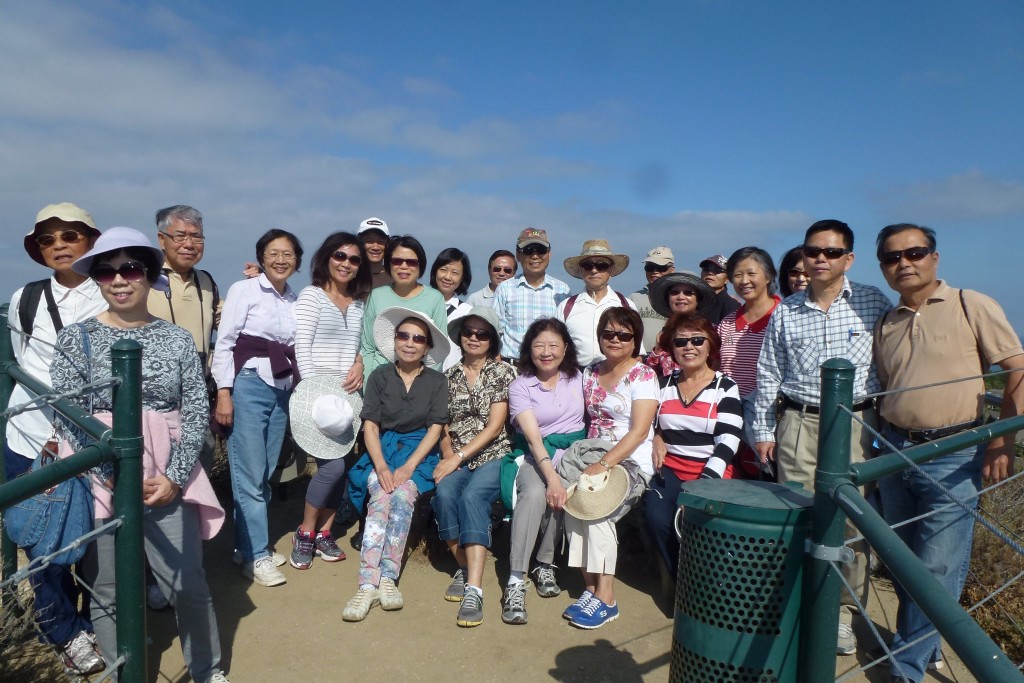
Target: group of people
(572, 409)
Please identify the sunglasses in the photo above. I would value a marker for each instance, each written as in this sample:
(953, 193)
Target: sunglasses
(502, 269)
(534, 250)
(609, 335)
(713, 268)
(831, 253)
(891, 258)
(697, 341)
(599, 266)
(402, 335)
(798, 273)
(411, 262)
(684, 292)
(655, 268)
(341, 257)
(130, 271)
(469, 333)
(66, 236)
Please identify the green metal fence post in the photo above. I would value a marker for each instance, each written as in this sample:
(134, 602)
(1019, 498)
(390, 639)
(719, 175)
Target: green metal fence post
(821, 597)
(8, 551)
(126, 364)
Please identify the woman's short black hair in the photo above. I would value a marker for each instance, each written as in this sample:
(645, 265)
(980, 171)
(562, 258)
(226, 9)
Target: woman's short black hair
(692, 321)
(493, 346)
(623, 317)
(359, 287)
(408, 242)
(144, 256)
(271, 235)
(792, 257)
(451, 255)
(569, 363)
(422, 325)
(763, 258)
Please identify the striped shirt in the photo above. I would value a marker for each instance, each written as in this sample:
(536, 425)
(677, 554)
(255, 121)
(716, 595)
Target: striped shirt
(701, 436)
(326, 338)
(801, 336)
(518, 304)
(741, 346)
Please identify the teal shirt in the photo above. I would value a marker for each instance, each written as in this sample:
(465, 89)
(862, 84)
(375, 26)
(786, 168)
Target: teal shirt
(429, 301)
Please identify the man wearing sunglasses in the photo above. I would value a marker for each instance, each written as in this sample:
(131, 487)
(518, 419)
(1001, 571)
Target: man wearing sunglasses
(937, 334)
(832, 318)
(534, 294)
(659, 261)
(596, 266)
(500, 267)
(712, 271)
(39, 310)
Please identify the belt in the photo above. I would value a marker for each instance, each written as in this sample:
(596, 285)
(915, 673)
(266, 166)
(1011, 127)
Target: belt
(812, 409)
(926, 435)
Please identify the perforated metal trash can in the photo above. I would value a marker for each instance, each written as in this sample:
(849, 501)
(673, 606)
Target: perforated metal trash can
(741, 563)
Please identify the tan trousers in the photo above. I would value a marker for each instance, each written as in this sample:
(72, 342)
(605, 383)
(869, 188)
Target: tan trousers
(796, 456)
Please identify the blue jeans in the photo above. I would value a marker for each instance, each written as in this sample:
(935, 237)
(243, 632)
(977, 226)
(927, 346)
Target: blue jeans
(462, 504)
(254, 446)
(660, 507)
(942, 541)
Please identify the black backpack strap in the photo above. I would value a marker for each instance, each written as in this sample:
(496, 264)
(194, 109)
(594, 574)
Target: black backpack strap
(51, 308)
(29, 304)
(213, 286)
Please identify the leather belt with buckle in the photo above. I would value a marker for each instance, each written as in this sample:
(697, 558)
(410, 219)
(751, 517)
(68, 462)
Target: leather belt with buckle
(926, 435)
(812, 409)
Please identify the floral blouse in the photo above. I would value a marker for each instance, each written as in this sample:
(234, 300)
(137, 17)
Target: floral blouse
(610, 412)
(469, 408)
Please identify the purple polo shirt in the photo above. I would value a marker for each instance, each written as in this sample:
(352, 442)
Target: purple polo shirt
(559, 411)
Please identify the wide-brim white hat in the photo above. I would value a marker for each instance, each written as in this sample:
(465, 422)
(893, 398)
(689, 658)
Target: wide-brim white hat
(596, 249)
(388, 321)
(598, 496)
(324, 417)
(115, 239)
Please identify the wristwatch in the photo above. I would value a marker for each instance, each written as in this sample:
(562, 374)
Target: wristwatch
(604, 463)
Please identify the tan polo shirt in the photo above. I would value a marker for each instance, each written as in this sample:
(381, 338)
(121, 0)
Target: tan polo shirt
(188, 307)
(936, 343)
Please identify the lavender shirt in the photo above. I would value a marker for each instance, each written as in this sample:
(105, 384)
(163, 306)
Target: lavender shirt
(559, 411)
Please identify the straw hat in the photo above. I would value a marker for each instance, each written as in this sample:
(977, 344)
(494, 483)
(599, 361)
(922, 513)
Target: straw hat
(324, 417)
(658, 292)
(388, 321)
(594, 249)
(596, 497)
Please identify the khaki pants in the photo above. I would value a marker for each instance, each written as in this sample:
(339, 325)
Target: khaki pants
(796, 456)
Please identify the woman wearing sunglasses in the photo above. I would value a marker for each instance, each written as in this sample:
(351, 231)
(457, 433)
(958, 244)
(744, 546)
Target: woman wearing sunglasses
(474, 442)
(621, 397)
(404, 412)
(793, 276)
(450, 274)
(254, 367)
(406, 259)
(698, 428)
(329, 326)
(181, 508)
(675, 293)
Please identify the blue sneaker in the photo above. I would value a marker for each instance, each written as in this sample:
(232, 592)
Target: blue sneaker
(595, 614)
(574, 609)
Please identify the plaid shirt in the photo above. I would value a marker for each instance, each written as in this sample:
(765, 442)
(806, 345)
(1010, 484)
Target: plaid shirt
(800, 337)
(518, 305)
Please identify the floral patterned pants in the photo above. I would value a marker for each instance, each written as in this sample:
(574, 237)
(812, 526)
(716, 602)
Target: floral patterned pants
(388, 518)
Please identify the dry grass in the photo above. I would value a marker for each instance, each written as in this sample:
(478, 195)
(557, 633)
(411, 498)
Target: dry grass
(22, 656)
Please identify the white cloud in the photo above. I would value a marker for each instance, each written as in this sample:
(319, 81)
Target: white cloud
(972, 195)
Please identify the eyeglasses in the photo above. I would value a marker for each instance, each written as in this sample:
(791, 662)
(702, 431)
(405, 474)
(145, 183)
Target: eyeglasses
(534, 250)
(795, 272)
(341, 257)
(655, 268)
(66, 236)
(130, 271)
(599, 266)
(609, 335)
(411, 262)
(402, 335)
(278, 256)
(891, 258)
(469, 333)
(697, 341)
(502, 269)
(712, 268)
(180, 237)
(831, 253)
(684, 292)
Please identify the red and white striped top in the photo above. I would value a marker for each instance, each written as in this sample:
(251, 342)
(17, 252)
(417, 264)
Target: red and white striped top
(741, 346)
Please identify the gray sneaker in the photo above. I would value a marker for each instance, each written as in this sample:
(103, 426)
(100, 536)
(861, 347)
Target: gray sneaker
(327, 548)
(547, 586)
(513, 604)
(80, 655)
(457, 588)
(302, 549)
(471, 612)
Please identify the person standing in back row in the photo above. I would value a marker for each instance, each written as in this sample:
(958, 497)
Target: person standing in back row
(713, 272)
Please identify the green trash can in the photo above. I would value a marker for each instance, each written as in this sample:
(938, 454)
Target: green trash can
(741, 564)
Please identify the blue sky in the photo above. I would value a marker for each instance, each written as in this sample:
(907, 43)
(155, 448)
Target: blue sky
(702, 125)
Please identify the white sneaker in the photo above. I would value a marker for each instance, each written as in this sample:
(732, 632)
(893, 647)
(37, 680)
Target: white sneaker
(360, 604)
(264, 572)
(847, 642)
(279, 559)
(155, 597)
(390, 596)
(219, 678)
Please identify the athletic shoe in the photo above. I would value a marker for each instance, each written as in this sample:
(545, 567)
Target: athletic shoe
(279, 559)
(302, 549)
(847, 641)
(513, 604)
(155, 597)
(219, 678)
(457, 588)
(264, 572)
(80, 654)
(390, 596)
(595, 614)
(359, 606)
(326, 548)
(574, 609)
(547, 586)
(471, 611)
(937, 664)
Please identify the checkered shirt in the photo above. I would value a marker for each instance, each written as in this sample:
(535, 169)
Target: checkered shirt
(518, 305)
